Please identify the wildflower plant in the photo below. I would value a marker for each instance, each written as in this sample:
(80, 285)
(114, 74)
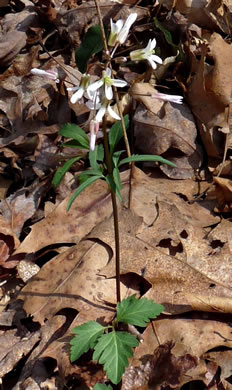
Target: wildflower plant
(111, 345)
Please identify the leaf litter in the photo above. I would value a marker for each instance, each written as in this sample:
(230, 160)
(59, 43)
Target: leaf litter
(175, 238)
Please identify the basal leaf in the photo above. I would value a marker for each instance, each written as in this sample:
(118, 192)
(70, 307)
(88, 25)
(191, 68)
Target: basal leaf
(85, 338)
(116, 133)
(145, 157)
(117, 179)
(75, 132)
(92, 43)
(168, 37)
(113, 350)
(111, 183)
(74, 144)
(91, 172)
(116, 157)
(101, 386)
(136, 311)
(58, 177)
(90, 180)
(96, 155)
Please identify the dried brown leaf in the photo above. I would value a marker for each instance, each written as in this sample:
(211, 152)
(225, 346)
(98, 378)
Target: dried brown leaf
(163, 127)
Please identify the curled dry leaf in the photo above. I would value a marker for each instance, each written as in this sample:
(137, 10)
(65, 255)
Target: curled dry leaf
(223, 193)
(191, 339)
(163, 127)
(8, 243)
(209, 91)
(14, 35)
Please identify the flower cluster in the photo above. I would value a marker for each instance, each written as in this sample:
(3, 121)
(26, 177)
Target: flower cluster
(99, 94)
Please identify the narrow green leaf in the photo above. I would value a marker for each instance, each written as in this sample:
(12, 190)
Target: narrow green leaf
(92, 43)
(168, 37)
(90, 172)
(85, 338)
(101, 386)
(116, 133)
(117, 179)
(75, 132)
(58, 177)
(96, 155)
(113, 350)
(81, 188)
(145, 157)
(136, 311)
(113, 186)
(116, 157)
(74, 144)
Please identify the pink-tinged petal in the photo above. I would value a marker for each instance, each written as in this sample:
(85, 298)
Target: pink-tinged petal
(108, 92)
(119, 83)
(113, 113)
(94, 127)
(77, 95)
(51, 74)
(108, 72)
(92, 141)
(170, 98)
(156, 59)
(100, 114)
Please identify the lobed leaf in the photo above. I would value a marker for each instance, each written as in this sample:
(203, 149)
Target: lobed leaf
(136, 311)
(113, 350)
(59, 175)
(85, 338)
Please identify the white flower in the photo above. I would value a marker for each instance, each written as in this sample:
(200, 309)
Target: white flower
(103, 108)
(170, 98)
(107, 82)
(93, 128)
(115, 30)
(147, 54)
(80, 90)
(50, 74)
(119, 32)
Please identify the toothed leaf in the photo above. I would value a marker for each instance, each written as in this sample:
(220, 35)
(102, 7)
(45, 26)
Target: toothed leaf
(136, 311)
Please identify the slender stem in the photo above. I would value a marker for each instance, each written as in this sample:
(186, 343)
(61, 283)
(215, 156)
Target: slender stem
(115, 214)
(102, 27)
(117, 245)
(122, 122)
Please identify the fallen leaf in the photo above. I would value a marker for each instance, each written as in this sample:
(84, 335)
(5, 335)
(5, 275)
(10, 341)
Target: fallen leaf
(189, 339)
(163, 127)
(209, 91)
